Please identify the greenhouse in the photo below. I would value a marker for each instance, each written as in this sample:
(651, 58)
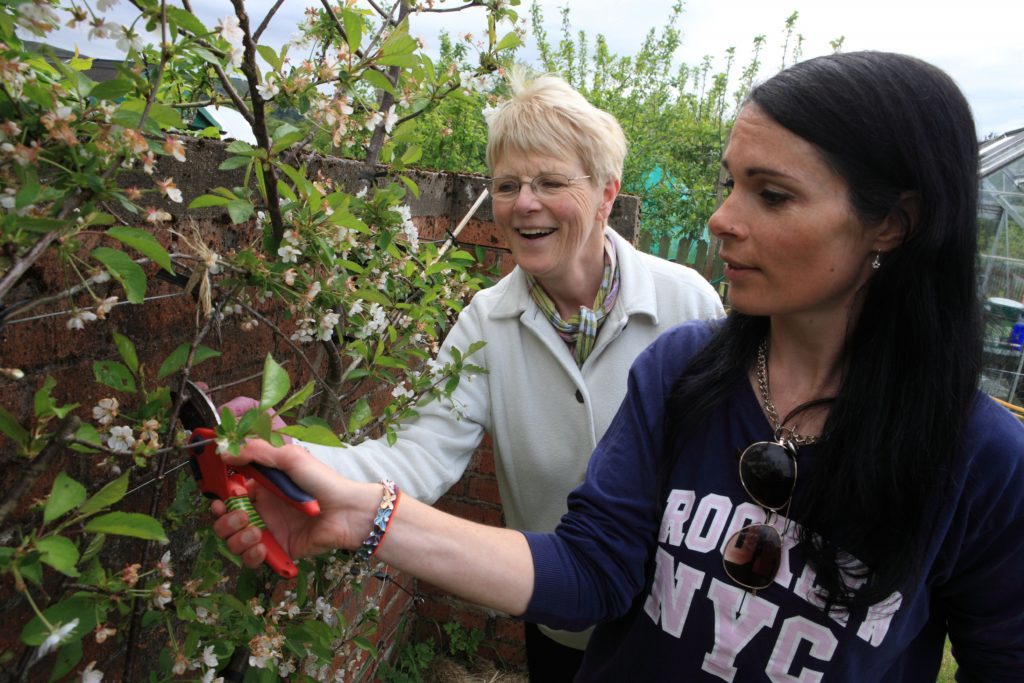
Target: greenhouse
(1001, 246)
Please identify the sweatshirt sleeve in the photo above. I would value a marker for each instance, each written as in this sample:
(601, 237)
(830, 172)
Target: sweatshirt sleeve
(983, 596)
(434, 448)
(592, 567)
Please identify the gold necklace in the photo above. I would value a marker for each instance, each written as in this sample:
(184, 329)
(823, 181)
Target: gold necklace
(784, 435)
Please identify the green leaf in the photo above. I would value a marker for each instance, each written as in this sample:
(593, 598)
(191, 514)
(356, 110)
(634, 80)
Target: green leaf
(127, 524)
(144, 243)
(65, 495)
(79, 63)
(286, 140)
(509, 40)
(94, 547)
(60, 553)
(317, 434)
(186, 20)
(12, 428)
(86, 432)
(26, 195)
(115, 375)
(161, 114)
(360, 415)
(241, 147)
(276, 383)
(353, 22)
(68, 657)
(298, 398)
(81, 607)
(112, 90)
(205, 200)
(378, 81)
(127, 351)
(229, 164)
(270, 56)
(40, 225)
(412, 155)
(413, 187)
(176, 360)
(240, 210)
(124, 270)
(113, 492)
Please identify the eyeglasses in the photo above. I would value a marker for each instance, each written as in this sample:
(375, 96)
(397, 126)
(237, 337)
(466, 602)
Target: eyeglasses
(752, 555)
(544, 186)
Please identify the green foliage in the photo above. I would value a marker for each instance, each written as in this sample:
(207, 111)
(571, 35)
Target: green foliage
(346, 266)
(412, 661)
(462, 642)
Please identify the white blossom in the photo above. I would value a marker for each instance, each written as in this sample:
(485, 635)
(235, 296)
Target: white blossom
(289, 254)
(105, 411)
(205, 616)
(90, 675)
(57, 636)
(210, 676)
(356, 308)
(161, 595)
(401, 392)
(327, 324)
(129, 40)
(306, 331)
(105, 306)
(268, 90)
(78, 319)
(164, 565)
(102, 29)
(209, 659)
(104, 5)
(180, 664)
(230, 31)
(120, 439)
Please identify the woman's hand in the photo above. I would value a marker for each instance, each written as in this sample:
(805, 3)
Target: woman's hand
(347, 508)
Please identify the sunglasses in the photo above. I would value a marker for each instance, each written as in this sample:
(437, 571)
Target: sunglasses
(752, 555)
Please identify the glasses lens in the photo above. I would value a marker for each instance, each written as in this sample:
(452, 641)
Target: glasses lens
(503, 188)
(768, 473)
(752, 556)
(549, 184)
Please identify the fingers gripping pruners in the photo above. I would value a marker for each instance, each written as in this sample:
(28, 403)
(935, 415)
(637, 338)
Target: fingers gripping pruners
(218, 480)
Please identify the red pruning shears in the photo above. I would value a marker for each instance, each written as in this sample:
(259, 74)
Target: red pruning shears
(217, 480)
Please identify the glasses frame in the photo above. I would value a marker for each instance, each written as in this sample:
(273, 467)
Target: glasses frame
(774, 536)
(532, 182)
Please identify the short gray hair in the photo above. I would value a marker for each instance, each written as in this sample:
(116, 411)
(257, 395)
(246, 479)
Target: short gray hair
(545, 115)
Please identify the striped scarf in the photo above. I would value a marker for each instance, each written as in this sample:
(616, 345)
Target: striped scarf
(580, 331)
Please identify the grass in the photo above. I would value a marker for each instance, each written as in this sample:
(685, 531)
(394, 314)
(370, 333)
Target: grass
(948, 668)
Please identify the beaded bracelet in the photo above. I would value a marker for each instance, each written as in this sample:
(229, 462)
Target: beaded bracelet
(381, 522)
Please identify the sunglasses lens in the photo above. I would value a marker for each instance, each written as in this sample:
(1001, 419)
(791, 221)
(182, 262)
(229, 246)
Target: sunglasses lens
(752, 556)
(768, 473)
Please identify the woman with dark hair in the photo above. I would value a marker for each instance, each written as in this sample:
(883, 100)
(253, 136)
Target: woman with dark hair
(813, 489)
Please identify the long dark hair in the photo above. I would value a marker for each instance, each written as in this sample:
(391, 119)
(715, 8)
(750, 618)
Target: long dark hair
(888, 124)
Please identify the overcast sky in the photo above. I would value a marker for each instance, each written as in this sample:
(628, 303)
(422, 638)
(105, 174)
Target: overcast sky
(979, 42)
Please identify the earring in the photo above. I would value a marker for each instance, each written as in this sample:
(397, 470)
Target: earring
(877, 262)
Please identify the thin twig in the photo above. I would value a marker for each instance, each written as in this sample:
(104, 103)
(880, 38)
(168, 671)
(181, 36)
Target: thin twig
(266, 20)
(135, 627)
(65, 432)
(259, 124)
(312, 369)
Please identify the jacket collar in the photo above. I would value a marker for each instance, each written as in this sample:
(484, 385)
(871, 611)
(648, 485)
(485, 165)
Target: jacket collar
(636, 286)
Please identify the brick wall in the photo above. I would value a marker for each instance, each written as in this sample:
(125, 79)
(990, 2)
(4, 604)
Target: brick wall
(39, 343)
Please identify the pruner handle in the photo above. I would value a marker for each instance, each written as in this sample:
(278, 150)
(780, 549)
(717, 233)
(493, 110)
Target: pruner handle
(277, 559)
(217, 480)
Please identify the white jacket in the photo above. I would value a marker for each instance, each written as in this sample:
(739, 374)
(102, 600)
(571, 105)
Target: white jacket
(544, 414)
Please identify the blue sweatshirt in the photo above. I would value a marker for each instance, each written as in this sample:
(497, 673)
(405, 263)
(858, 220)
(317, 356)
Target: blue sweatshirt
(649, 569)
